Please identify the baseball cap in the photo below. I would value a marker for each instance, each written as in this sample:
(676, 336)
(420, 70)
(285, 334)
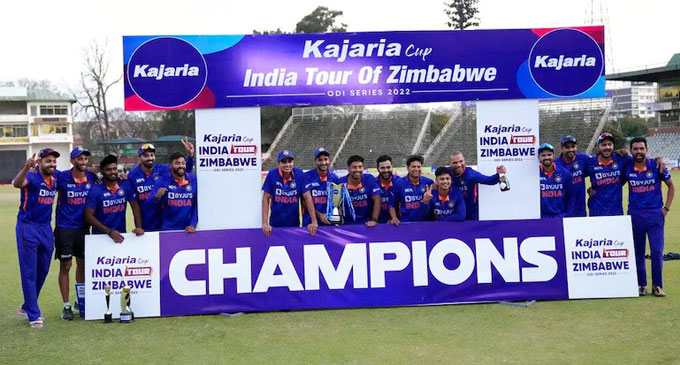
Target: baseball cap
(48, 151)
(604, 136)
(546, 146)
(146, 147)
(567, 139)
(108, 160)
(321, 151)
(77, 151)
(283, 154)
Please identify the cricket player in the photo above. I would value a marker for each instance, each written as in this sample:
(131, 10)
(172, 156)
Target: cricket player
(466, 179)
(409, 190)
(73, 186)
(556, 185)
(386, 180)
(143, 177)
(35, 241)
(283, 188)
(364, 193)
(442, 203)
(106, 203)
(648, 212)
(177, 192)
(606, 171)
(317, 180)
(575, 163)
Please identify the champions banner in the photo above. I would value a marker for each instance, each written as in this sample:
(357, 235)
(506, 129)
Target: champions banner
(174, 273)
(193, 72)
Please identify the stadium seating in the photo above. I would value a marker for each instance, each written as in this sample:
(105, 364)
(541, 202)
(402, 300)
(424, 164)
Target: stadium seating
(383, 132)
(308, 132)
(666, 145)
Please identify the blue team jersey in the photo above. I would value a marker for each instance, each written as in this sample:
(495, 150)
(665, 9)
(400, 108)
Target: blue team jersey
(72, 198)
(37, 198)
(467, 183)
(317, 188)
(644, 185)
(577, 168)
(450, 207)
(607, 179)
(386, 198)
(362, 198)
(143, 184)
(286, 196)
(409, 196)
(110, 204)
(556, 193)
(152, 214)
(179, 201)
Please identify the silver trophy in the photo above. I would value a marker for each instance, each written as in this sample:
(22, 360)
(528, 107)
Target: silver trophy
(338, 200)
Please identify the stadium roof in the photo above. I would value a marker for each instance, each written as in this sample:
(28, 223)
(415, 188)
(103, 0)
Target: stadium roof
(23, 94)
(656, 74)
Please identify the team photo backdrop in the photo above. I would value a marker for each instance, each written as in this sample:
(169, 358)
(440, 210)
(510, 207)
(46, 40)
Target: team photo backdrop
(427, 263)
(217, 71)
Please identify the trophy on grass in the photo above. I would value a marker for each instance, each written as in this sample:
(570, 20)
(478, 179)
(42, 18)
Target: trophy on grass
(108, 316)
(126, 315)
(337, 201)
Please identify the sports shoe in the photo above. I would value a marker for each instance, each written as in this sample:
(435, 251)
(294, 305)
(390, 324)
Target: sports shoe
(76, 307)
(642, 290)
(657, 291)
(67, 313)
(38, 323)
(22, 313)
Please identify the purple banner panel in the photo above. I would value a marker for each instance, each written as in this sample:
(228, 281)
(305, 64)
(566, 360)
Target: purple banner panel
(354, 266)
(218, 71)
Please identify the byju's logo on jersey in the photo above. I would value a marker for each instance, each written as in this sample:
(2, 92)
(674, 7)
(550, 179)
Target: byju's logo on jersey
(566, 62)
(167, 72)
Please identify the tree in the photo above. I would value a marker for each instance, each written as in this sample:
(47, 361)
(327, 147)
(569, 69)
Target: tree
(95, 83)
(462, 13)
(178, 122)
(631, 126)
(321, 20)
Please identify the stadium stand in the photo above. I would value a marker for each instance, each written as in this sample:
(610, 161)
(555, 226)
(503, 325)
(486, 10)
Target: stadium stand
(398, 133)
(459, 134)
(308, 129)
(383, 132)
(665, 144)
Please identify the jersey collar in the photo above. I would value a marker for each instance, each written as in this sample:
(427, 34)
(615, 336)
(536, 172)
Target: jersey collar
(549, 174)
(114, 189)
(285, 180)
(443, 198)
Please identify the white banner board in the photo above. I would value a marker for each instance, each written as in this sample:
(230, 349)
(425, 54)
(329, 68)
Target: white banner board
(228, 167)
(507, 134)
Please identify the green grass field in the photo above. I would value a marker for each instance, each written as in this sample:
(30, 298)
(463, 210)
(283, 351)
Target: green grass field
(635, 330)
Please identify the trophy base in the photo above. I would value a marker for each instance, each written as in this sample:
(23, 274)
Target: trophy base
(336, 221)
(108, 318)
(125, 317)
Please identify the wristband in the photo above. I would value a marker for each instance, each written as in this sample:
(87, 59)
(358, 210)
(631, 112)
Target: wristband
(667, 209)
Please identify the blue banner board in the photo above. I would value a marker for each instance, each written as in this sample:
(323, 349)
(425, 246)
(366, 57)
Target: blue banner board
(217, 71)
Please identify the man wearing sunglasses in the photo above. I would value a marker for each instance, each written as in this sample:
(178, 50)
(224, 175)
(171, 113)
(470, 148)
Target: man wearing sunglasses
(143, 177)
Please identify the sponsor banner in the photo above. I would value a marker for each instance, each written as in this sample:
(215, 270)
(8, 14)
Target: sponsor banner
(133, 263)
(353, 266)
(193, 72)
(228, 168)
(600, 257)
(507, 134)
